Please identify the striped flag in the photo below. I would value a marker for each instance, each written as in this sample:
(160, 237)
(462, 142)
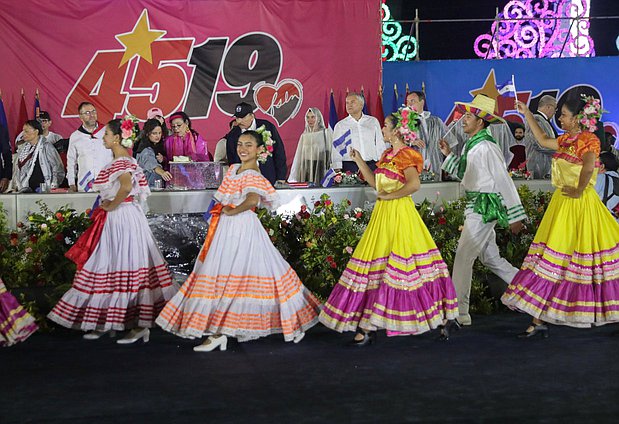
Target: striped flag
(378, 111)
(37, 105)
(94, 206)
(395, 105)
(507, 89)
(332, 112)
(86, 182)
(365, 102)
(327, 180)
(3, 121)
(207, 215)
(341, 144)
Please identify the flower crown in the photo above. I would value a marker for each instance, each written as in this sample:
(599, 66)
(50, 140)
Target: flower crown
(268, 144)
(590, 114)
(128, 131)
(407, 124)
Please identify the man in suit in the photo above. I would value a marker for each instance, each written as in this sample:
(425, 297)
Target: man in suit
(6, 160)
(539, 158)
(274, 169)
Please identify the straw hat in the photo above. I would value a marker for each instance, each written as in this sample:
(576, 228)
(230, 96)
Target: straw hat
(482, 106)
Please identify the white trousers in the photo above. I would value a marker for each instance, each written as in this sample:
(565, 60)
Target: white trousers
(478, 240)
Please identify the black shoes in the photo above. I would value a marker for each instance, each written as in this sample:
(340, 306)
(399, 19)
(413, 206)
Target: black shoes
(533, 329)
(447, 328)
(368, 339)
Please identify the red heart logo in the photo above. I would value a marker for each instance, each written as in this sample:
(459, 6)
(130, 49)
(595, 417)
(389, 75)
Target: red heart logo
(281, 101)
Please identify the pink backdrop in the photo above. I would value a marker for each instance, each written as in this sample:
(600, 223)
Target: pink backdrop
(205, 56)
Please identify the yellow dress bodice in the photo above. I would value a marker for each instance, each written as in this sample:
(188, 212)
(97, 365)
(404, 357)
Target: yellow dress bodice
(389, 174)
(567, 162)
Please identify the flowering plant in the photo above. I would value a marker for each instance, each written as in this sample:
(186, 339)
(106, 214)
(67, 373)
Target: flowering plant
(317, 240)
(521, 172)
(328, 234)
(347, 178)
(268, 144)
(590, 114)
(32, 256)
(407, 124)
(129, 131)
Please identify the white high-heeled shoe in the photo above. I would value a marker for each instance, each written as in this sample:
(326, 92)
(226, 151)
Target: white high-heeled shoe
(133, 336)
(298, 337)
(94, 335)
(212, 343)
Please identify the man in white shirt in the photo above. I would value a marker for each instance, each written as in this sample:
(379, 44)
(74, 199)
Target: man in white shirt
(492, 199)
(365, 135)
(86, 150)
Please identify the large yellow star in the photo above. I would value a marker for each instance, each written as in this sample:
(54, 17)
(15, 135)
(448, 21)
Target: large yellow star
(489, 88)
(138, 41)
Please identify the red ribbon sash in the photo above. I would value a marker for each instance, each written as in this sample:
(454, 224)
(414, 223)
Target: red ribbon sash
(81, 251)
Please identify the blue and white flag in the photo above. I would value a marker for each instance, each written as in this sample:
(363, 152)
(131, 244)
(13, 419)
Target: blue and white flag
(86, 182)
(327, 180)
(207, 215)
(94, 206)
(341, 144)
(507, 89)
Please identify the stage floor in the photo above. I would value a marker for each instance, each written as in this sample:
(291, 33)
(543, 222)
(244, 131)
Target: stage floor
(483, 374)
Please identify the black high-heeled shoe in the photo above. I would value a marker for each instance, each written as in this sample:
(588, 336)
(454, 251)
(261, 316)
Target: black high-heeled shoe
(541, 329)
(447, 328)
(368, 338)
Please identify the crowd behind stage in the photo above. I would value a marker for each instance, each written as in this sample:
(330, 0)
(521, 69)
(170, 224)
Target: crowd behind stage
(318, 149)
(396, 280)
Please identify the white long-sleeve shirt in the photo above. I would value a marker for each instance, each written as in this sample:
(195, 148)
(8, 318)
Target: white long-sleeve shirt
(367, 139)
(87, 152)
(486, 172)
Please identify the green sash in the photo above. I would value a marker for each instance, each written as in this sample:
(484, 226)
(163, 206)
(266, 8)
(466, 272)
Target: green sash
(470, 143)
(489, 206)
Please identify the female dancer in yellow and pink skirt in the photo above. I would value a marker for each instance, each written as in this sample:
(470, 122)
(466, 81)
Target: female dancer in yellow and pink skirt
(396, 279)
(16, 325)
(570, 275)
(241, 286)
(122, 281)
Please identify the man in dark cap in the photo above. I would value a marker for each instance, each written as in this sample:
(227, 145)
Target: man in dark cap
(274, 169)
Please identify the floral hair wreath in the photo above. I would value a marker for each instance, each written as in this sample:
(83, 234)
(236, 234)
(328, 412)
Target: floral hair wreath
(591, 113)
(268, 144)
(128, 131)
(407, 124)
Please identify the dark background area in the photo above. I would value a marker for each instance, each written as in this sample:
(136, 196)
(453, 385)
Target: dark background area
(456, 40)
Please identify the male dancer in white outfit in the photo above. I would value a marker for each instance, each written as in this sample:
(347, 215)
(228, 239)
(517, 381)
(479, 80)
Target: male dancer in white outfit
(492, 199)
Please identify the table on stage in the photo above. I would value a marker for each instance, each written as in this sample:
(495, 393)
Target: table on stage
(17, 206)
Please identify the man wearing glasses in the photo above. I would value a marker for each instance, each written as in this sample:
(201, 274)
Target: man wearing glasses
(46, 123)
(86, 150)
